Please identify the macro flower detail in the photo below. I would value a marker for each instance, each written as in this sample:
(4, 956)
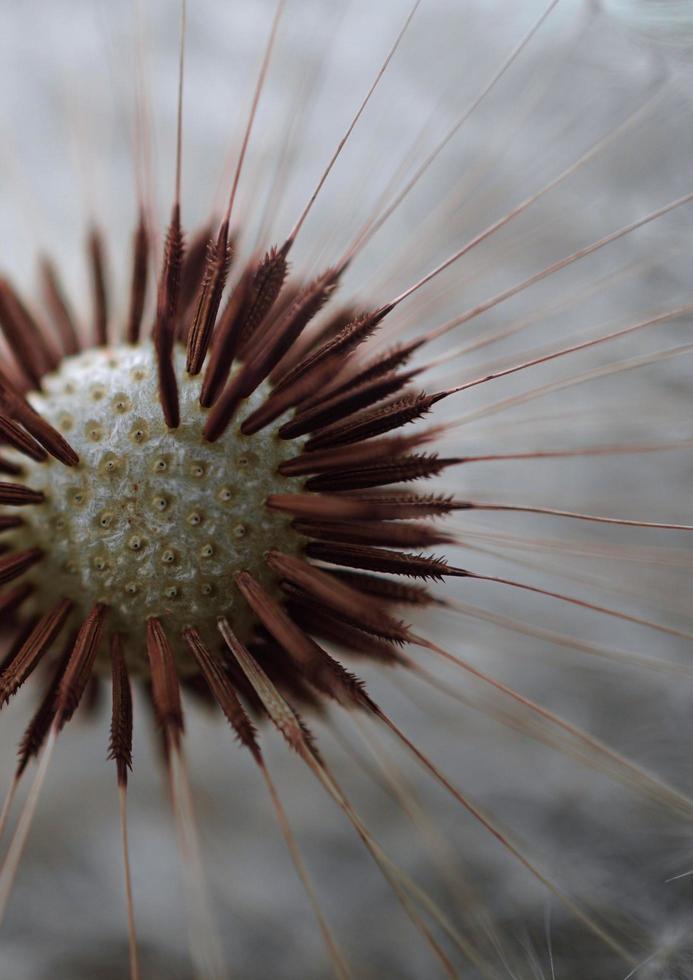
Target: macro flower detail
(239, 488)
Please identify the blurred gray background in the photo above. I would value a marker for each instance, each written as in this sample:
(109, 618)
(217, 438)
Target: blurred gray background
(67, 73)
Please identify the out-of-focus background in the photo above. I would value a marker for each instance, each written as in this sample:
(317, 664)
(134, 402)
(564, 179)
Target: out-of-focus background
(622, 74)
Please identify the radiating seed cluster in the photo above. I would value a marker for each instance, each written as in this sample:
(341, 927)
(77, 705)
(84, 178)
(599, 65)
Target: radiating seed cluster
(152, 521)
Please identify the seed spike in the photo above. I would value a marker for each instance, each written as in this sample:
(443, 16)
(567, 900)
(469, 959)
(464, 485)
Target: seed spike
(79, 666)
(23, 336)
(321, 461)
(34, 648)
(15, 406)
(407, 408)
(390, 590)
(139, 279)
(164, 331)
(120, 746)
(271, 349)
(58, 307)
(393, 534)
(399, 469)
(358, 396)
(38, 728)
(354, 636)
(95, 249)
(321, 670)
(17, 495)
(365, 612)
(165, 686)
(215, 674)
(16, 437)
(14, 565)
(336, 349)
(209, 297)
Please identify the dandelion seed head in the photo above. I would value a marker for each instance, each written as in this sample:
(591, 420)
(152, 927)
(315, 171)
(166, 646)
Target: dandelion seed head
(152, 520)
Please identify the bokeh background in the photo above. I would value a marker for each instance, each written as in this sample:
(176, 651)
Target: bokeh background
(68, 73)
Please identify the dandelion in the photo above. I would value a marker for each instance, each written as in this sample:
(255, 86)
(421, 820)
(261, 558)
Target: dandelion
(248, 482)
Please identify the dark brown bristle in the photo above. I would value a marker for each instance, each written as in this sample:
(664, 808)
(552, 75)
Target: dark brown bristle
(367, 613)
(79, 667)
(165, 686)
(381, 560)
(39, 726)
(276, 342)
(402, 469)
(9, 521)
(378, 366)
(315, 336)
(12, 404)
(324, 460)
(226, 340)
(164, 332)
(192, 272)
(10, 468)
(266, 285)
(390, 534)
(319, 668)
(120, 744)
(58, 308)
(374, 422)
(327, 625)
(318, 507)
(23, 336)
(99, 290)
(278, 403)
(16, 437)
(33, 649)
(344, 404)
(11, 600)
(339, 347)
(388, 506)
(281, 713)
(23, 631)
(212, 667)
(17, 495)
(214, 277)
(281, 670)
(16, 564)
(387, 589)
(283, 330)
(139, 280)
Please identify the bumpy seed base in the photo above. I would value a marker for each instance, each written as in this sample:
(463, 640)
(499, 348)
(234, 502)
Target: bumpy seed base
(153, 522)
